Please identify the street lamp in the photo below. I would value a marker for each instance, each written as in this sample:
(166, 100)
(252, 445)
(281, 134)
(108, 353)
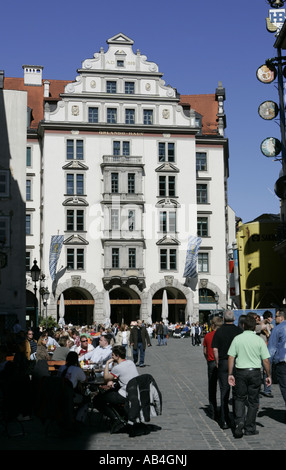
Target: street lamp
(46, 295)
(35, 274)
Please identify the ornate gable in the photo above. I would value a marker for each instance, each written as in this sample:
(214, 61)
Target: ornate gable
(120, 39)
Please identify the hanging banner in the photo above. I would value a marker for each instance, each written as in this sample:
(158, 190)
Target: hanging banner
(191, 257)
(55, 250)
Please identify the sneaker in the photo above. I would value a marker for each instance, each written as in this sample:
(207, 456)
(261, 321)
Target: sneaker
(238, 432)
(267, 394)
(251, 433)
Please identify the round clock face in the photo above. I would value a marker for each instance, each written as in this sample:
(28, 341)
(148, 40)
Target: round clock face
(268, 110)
(271, 147)
(266, 73)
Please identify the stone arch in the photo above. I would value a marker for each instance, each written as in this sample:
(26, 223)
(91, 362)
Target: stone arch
(126, 303)
(169, 282)
(214, 288)
(75, 282)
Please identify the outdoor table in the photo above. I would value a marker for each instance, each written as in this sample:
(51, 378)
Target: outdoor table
(55, 365)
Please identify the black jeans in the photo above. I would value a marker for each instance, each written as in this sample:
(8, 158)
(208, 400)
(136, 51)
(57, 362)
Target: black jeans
(224, 390)
(281, 378)
(103, 402)
(247, 384)
(212, 386)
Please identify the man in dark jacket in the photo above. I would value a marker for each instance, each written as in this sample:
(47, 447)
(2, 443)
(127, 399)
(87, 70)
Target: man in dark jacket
(221, 342)
(139, 339)
(159, 332)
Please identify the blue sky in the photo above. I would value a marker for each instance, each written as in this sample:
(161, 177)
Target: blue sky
(196, 44)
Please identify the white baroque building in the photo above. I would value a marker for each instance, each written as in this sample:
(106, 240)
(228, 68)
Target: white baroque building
(125, 170)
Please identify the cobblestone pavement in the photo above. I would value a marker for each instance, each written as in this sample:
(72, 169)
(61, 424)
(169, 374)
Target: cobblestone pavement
(181, 374)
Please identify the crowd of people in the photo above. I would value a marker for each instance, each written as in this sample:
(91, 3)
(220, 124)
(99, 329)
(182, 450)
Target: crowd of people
(240, 359)
(109, 348)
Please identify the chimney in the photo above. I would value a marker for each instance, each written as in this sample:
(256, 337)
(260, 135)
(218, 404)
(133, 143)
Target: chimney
(46, 89)
(33, 75)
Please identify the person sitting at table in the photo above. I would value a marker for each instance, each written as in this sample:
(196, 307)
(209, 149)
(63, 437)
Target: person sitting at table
(74, 373)
(62, 351)
(97, 335)
(52, 342)
(31, 345)
(122, 370)
(84, 347)
(102, 352)
(42, 350)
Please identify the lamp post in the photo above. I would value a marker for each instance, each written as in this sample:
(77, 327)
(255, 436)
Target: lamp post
(46, 295)
(35, 274)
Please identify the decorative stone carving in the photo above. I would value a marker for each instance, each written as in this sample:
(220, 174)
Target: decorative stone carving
(169, 280)
(166, 113)
(170, 92)
(75, 110)
(70, 88)
(75, 281)
(87, 64)
(203, 283)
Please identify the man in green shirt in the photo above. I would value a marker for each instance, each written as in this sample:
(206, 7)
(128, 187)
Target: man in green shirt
(247, 350)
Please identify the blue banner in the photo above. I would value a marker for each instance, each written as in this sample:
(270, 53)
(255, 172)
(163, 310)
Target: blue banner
(191, 257)
(55, 250)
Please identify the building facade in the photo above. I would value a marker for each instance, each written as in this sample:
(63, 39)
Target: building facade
(123, 170)
(13, 138)
(262, 269)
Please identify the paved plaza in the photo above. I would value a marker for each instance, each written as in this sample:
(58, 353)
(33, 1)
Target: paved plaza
(181, 374)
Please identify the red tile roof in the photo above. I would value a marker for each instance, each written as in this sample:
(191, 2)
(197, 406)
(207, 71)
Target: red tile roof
(36, 95)
(207, 106)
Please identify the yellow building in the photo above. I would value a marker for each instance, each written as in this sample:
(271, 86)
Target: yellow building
(262, 270)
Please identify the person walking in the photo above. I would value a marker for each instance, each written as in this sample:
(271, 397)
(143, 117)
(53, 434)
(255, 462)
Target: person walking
(165, 333)
(123, 339)
(159, 332)
(212, 367)
(221, 342)
(277, 350)
(198, 332)
(193, 333)
(247, 350)
(139, 339)
(265, 335)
